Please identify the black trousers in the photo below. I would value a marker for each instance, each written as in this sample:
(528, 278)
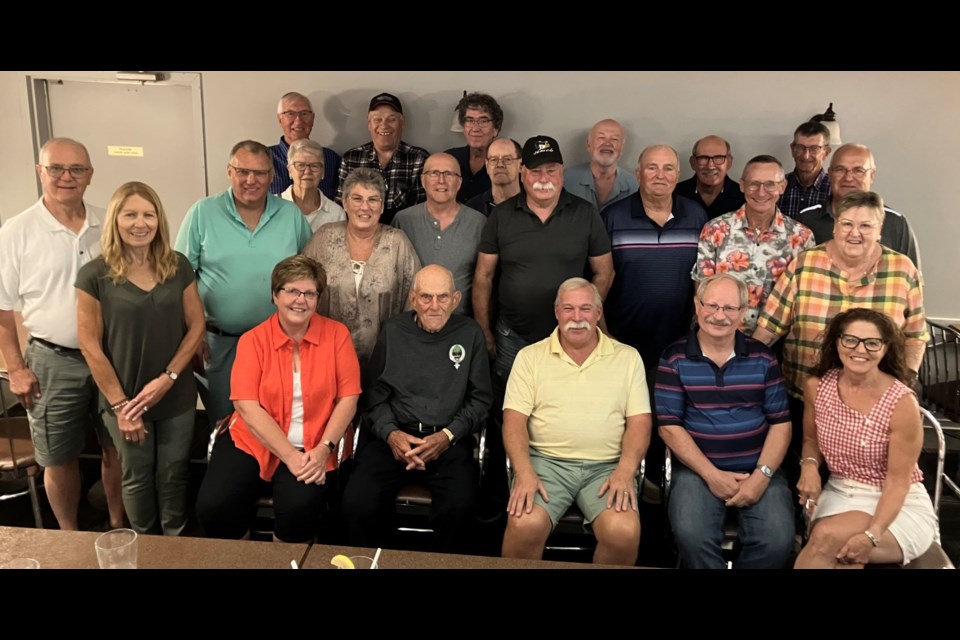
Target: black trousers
(227, 502)
(369, 500)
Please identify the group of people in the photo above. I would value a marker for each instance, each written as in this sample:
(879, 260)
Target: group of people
(420, 298)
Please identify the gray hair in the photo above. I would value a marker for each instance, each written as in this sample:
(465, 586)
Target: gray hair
(52, 141)
(706, 282)
(305, 145)
(254, 147)
(572, 284)
(365, 177)
(290, 97)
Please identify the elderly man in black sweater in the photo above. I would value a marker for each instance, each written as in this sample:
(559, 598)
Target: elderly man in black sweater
(428, 394)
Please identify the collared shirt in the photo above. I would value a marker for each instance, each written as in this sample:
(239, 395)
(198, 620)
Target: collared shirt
(729, 199)
(727, 409)
(263, 372)
(650, 303)
(402, 175)
(536, 256)
(454, 248)
(233, 263)
(437, 379)
(577, 412)
(797, 197)
(281, 174)
(578, 180)
(729, 245)
(39, 262)
(812, 291)
(328, 211)
(895, 234)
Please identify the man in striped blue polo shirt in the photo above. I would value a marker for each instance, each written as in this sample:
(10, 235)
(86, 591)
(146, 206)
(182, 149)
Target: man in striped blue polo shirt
(722, 409)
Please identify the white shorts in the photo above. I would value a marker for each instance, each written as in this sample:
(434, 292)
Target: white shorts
(915, 527)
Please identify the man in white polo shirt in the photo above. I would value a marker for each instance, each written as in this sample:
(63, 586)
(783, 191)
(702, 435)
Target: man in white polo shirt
(41, 251)
(576, 425)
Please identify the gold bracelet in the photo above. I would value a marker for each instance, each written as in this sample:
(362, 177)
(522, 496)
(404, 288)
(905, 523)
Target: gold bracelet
(811, 459)
(119, 405)
(873, 538)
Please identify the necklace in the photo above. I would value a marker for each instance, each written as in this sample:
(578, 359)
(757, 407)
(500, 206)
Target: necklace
(357, 266)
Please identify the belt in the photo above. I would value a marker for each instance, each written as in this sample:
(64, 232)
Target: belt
(54, 346)
(220, 332)
(420, 428)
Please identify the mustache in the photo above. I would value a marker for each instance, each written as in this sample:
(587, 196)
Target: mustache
(544, 186)
(718, 323)
(574, 324)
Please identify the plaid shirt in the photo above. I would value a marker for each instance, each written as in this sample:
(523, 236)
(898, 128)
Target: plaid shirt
(797, 197)
(854, 445)
(729, 245)
(812, 291)
(402, 175)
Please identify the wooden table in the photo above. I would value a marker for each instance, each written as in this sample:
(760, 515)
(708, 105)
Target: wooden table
(56, 549)
(320, 554)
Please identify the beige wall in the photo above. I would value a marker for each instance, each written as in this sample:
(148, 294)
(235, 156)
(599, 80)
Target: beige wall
(908, 119)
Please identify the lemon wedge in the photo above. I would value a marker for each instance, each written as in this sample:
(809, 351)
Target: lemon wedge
(341, 561)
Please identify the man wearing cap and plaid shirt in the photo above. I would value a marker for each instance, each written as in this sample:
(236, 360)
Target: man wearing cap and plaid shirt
(400, 163)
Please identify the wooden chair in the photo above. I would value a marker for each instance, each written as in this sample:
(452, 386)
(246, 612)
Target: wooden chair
(17, 461)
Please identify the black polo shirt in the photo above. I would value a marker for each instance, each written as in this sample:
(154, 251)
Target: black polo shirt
(536, 257)
(730, 199)
(473, 183)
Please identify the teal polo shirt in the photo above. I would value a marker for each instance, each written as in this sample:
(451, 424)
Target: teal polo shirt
(233, 263)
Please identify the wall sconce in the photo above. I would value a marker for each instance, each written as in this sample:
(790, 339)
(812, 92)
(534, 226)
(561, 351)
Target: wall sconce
(829, 119)
(455, 127)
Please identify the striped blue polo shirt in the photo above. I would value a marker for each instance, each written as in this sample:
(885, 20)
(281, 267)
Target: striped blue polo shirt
(727, 410)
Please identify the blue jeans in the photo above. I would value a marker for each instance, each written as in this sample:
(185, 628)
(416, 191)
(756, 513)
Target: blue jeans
(216, 399)
(509, 344)
(766, 529)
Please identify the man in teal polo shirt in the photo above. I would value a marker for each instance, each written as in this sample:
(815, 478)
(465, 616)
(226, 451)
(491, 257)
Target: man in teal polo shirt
(233, 240)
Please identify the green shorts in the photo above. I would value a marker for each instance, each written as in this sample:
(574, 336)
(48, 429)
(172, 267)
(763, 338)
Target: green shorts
(569, 481)
(67, 403)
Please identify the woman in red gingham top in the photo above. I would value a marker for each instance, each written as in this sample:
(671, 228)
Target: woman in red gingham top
(862, 418)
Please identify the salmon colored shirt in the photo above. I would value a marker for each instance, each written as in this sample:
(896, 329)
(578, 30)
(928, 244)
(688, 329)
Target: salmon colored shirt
(263, 371)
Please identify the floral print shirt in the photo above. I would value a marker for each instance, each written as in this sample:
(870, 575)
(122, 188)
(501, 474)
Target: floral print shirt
(728, 244)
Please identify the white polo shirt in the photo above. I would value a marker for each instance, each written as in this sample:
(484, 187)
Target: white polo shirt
(39, 261)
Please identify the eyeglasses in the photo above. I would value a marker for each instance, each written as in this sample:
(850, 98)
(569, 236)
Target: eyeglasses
(436, 175)
(704, 160)
(483, 123)
(769, 185)
(428, 298)
(374, 202)
(309, 296)
(841, 172)
(728, 310)
(316, 167)
(243, 174)
(801, 149)
(56, 170)
(293, 115)
(870, 344)
(506, 160)
(847, 226)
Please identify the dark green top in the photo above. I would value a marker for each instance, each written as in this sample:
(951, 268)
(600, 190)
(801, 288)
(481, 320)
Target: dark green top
(141, 332)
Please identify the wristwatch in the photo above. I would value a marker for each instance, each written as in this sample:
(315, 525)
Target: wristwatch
(173, 376)
(449, 434)
(765, 470)
(330, 444)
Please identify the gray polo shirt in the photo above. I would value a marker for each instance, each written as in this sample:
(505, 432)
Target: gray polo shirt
(454, 247)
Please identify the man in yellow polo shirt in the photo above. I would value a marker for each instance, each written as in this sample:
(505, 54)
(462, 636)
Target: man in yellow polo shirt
(576, 425)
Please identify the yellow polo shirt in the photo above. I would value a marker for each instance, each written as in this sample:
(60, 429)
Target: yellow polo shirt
(577, 412)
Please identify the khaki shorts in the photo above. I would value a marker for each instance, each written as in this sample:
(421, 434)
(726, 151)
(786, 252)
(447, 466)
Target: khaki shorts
(67, 403)
(572, 481)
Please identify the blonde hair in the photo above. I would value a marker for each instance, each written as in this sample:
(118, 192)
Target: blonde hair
(161, 253)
